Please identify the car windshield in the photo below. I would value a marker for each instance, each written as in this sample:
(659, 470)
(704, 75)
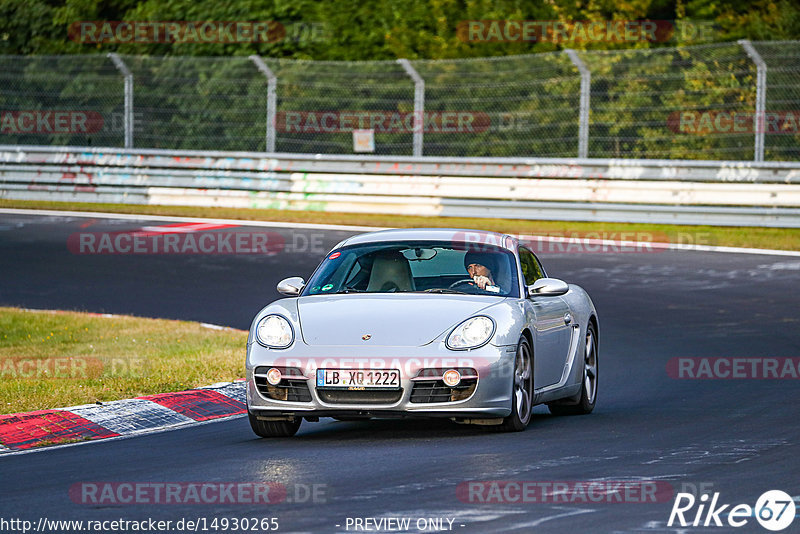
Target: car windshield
(413, 267)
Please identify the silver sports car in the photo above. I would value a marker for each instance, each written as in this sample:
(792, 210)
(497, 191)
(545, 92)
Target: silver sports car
(462, 324)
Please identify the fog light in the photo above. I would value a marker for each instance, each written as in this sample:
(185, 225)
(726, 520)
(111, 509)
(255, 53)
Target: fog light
(274, 376)
(451, 377)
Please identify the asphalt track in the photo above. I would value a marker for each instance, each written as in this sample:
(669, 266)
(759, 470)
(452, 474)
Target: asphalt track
(736, 437)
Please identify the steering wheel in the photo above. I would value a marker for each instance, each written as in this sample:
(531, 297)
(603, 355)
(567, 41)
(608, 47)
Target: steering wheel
(461, 282)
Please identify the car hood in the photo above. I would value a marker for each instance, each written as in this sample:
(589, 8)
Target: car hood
(389, 319)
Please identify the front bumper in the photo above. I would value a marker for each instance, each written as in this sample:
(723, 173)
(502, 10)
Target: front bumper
(491, 398)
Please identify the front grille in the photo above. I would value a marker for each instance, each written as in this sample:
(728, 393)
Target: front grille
(346, 396)
(436, 391)
(291, 388)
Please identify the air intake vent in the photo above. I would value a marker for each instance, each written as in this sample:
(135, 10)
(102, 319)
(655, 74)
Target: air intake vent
(293, 387)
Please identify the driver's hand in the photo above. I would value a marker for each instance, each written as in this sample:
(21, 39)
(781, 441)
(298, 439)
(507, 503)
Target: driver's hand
(482, 281)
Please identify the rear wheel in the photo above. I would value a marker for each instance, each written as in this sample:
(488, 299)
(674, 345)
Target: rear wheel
(522, 390)
(274, 429)
(588, 396)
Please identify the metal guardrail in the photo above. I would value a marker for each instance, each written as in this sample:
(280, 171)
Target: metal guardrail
(598, 168)
(655, 191)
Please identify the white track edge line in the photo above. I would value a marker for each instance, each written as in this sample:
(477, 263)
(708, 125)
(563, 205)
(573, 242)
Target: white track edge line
(317, 226)
(172, 218)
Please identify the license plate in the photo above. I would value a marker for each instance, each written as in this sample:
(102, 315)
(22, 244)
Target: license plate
(358, 378)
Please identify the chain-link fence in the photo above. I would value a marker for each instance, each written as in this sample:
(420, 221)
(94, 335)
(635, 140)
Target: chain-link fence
(732, 101)
(43, 100)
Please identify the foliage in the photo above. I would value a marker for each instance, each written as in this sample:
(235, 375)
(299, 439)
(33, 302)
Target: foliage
(210, 96)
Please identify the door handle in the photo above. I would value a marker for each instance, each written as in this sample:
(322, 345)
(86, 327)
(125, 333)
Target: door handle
(567, 318)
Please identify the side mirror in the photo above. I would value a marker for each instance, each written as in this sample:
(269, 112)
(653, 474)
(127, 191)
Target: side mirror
(291, 286)
(548, 286)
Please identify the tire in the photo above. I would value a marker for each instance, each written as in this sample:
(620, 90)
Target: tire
(588, 396)
(521, 390)
(274, 429)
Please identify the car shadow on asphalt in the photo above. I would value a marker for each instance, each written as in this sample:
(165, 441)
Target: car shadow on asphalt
(399, 429)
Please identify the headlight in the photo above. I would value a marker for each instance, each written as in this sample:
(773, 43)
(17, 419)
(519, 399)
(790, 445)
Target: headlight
(472, 333)
(274, 331)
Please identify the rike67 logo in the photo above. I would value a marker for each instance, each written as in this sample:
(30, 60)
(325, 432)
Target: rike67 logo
(774, 510)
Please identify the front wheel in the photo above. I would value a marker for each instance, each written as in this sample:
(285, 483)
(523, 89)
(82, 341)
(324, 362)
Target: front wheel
(522, 390)
(274, 429)
(588, 396)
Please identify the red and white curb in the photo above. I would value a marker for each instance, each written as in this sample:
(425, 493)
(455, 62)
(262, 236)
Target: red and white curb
(181, 228)
(24, 431)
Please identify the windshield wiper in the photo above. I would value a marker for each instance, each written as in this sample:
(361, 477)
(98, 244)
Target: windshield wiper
(444, 290)
(350, 290)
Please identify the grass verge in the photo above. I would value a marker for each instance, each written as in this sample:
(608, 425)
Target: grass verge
(58, 359)
(758, 237)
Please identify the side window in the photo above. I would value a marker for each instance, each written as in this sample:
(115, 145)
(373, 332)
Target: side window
(531, 270)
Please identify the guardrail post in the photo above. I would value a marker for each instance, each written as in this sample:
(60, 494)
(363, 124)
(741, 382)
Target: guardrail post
(272, 88)
(583, 114)
(128, 105)
(419, 104)
(761, 97)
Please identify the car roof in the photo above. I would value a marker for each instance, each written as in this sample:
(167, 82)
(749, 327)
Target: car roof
(454, 235)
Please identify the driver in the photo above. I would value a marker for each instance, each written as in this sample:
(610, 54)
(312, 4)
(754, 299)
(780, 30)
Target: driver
(476, 265)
